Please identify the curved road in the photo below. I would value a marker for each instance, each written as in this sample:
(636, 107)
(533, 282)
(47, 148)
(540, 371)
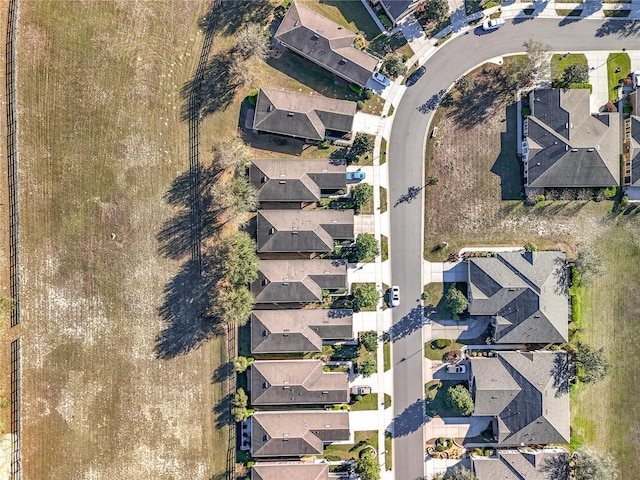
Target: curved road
(406, 162)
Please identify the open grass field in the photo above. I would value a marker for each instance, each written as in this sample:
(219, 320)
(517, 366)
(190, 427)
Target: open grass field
(476, 202)
(101, 141)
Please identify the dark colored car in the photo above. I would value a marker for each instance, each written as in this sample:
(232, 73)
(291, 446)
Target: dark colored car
(415, 76)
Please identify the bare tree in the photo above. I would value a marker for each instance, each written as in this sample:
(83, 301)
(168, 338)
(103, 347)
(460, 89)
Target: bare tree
(590, 465)
(252, 42)
(584, 194)
(233, 154)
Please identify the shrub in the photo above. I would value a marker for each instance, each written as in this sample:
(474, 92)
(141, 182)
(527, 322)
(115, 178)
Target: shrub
(367, 94)
(442, 343)
(459, 398)
(359, 105)
(525, 111)
(369, 340)
(530, 247)
(610, 192)
(624, 202)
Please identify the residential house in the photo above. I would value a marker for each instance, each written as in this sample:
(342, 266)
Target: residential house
(524, 293)
(290, 471)
(525, 394)
(303, 231)
(309, 117)
(297, 433)
(565, 146)
(397, 10)
(281, 180)
(295, 382)
(324, 42)
(631, 150)
(297, 281)
(522, 464)
(302, 330)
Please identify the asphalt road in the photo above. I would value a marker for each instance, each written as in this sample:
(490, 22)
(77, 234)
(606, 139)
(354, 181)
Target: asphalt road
(405, 157)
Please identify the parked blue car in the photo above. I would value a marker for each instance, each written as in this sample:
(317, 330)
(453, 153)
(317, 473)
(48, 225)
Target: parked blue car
(355, 176)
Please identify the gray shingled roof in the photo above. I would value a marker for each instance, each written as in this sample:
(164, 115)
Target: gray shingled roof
(526, 393)
(297, 281)
(524, 292)
(302, 330)
(397, 9)
(299, 115)
(296, 180)
(526, 464)
(296, 382)
(326, 43)
(290, 471)
(281, 231)
(634, 152)
(296, 433)
(569, 147)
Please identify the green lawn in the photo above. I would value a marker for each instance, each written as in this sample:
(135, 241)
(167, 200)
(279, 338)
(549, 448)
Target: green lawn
(345, 452)
(383, 151)
(383, 44)
(433, 353)
(560, 61)
(386, 350)
(617, 13)
(384, 248)
(348, 13)
(370, 402)
(435, 398)
(388, 446)
(617, 61)
(384, 200)
(569, 13)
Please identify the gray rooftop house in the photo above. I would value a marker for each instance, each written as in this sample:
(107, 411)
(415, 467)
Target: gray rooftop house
(301, 330)
(296, 382)
(524, 293)
(303, 231)
(631, 150)
(566, 146)
(297, 281)
(309, 117)
(324, 42)
(522, 464)
(296, 180)
(290, 471)
(297, 433)
(526, 394)
(396, 10)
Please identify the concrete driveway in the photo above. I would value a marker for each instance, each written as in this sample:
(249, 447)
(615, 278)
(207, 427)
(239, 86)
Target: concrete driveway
(455, 427)
(458, 330)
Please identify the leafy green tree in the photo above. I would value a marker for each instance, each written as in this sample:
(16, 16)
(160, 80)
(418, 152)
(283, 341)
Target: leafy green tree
(252, 42)
(240, 364)
(240, 198)
(436, 10)
(589, 263)
(459, 397)
(365, 248)
(369, 340)
(592, 365)
(362, 145)
(455, 301)
(361, 194)
(530, 247)
(234, 258)
(394, 67)
(590, 465)
(239, 403)
(575, 73)
(367, 467)
(368, 367)
(365, 296)
(233, 304)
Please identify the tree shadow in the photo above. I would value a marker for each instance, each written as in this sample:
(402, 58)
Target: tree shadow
(214, 86)
(619, 28)
(481, 103)
(562, 373)
(184, 311)
(556, 466)
(410, 420)
(407, 324)
(222, 412)
(227, 17)
(222, 373)
(507, 166)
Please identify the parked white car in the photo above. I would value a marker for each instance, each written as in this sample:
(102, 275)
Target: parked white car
(456, 369)
(394, 296)
(492, 23)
